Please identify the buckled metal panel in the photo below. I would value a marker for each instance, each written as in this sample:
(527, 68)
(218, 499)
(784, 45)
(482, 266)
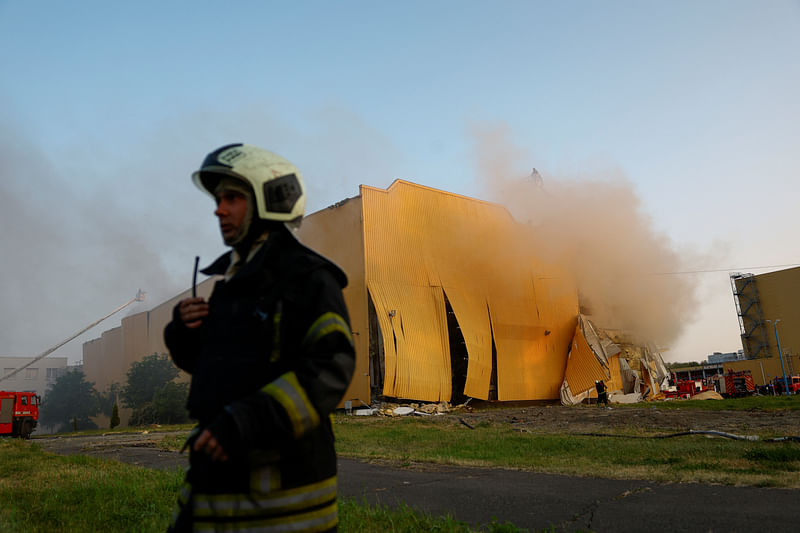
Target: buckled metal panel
(583, 367)
(417, 239)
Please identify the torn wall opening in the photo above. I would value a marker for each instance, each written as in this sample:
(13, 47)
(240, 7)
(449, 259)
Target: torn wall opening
(459, 356)
(420, 243)
(377, 368)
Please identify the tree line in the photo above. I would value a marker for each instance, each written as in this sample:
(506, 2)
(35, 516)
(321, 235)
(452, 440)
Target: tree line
(150, 390)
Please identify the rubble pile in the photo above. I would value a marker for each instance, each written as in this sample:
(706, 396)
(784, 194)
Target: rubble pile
(392, 409)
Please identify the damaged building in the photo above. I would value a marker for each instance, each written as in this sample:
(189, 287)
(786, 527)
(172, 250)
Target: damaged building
(631, 370)
(447, 301)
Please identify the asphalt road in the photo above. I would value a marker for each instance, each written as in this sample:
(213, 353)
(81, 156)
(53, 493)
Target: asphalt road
(539, 501)
(532, 501)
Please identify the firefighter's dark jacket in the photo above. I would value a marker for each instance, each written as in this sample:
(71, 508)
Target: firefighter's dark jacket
(269, 364)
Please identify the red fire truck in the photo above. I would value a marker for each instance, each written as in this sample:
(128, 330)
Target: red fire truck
(685, 389)
(792, 381)
(19, 413)
(734, 383)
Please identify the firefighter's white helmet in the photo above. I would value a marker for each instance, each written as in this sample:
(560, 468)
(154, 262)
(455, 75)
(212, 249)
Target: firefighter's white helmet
(277, 184)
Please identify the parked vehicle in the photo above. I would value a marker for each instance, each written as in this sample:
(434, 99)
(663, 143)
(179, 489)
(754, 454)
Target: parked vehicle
(732, 384)
(685, 389)
(19, 413)
(793, 382)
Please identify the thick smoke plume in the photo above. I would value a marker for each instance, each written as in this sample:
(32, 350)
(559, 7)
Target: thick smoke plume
(86, 225)
(72, 251)
(597, 230)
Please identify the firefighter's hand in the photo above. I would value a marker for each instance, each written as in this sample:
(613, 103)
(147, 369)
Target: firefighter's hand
(192, 311)
(207, 443)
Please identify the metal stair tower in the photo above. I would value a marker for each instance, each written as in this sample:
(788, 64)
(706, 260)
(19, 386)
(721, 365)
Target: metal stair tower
(751, 319)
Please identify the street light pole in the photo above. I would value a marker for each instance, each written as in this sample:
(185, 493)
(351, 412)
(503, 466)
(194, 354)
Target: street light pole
(780, 354)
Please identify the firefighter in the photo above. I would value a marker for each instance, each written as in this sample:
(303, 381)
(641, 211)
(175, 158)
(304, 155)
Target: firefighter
(602, 394)
(270, 354)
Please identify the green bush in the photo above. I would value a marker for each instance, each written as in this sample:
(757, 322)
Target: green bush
(114, 416)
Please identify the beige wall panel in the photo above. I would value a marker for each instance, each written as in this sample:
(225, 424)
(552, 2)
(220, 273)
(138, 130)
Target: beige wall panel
(134, 342)
(108, 365)
(421, 237)
(764, 370)
(108, 358)
(92, 358)
(336, 233)
(779, 293)
(159, 316)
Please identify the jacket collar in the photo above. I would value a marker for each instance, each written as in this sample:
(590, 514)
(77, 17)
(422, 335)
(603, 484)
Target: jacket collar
(221, 265)
(271, 253)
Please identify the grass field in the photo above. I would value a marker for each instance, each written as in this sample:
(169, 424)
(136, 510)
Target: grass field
(47, 493)
(44, 492)
(691, 459)
(746, 403)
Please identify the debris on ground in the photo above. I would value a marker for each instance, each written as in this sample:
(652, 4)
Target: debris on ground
(397, 409)
(707, 395)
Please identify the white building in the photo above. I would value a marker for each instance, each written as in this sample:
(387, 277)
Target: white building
(718, 357)
(36, 378)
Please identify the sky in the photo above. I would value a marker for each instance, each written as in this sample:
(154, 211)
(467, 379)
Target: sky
(689, 109)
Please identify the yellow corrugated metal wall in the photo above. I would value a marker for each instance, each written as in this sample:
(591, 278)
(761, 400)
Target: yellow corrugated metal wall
(583, 367)
(473, 316)
(415, 322)
(422, 244)
(778, 294)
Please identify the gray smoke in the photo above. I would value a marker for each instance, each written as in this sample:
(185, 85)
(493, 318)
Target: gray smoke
(74, 249)
(87, 226)
(597, 229)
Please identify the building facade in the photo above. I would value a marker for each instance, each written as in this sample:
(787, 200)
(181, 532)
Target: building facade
(769, 317)
(718, 357)
(768, 311)
(447, 300)
(36, 378)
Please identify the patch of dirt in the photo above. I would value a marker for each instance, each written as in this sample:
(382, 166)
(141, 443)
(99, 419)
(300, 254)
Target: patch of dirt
(592, 419)
(140, 448)
(143, 448)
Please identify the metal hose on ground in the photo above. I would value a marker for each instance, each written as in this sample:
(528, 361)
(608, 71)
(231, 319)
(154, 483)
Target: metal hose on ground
(697, 432)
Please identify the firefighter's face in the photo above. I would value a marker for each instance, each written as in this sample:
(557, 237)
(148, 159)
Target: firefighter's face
(232, 213)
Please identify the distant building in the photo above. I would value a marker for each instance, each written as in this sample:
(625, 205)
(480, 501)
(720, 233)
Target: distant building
(718, 357)
(421, 263)
(762, 300)
(695, 373)
(447, 300)
(766, 305)
(36, 378)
